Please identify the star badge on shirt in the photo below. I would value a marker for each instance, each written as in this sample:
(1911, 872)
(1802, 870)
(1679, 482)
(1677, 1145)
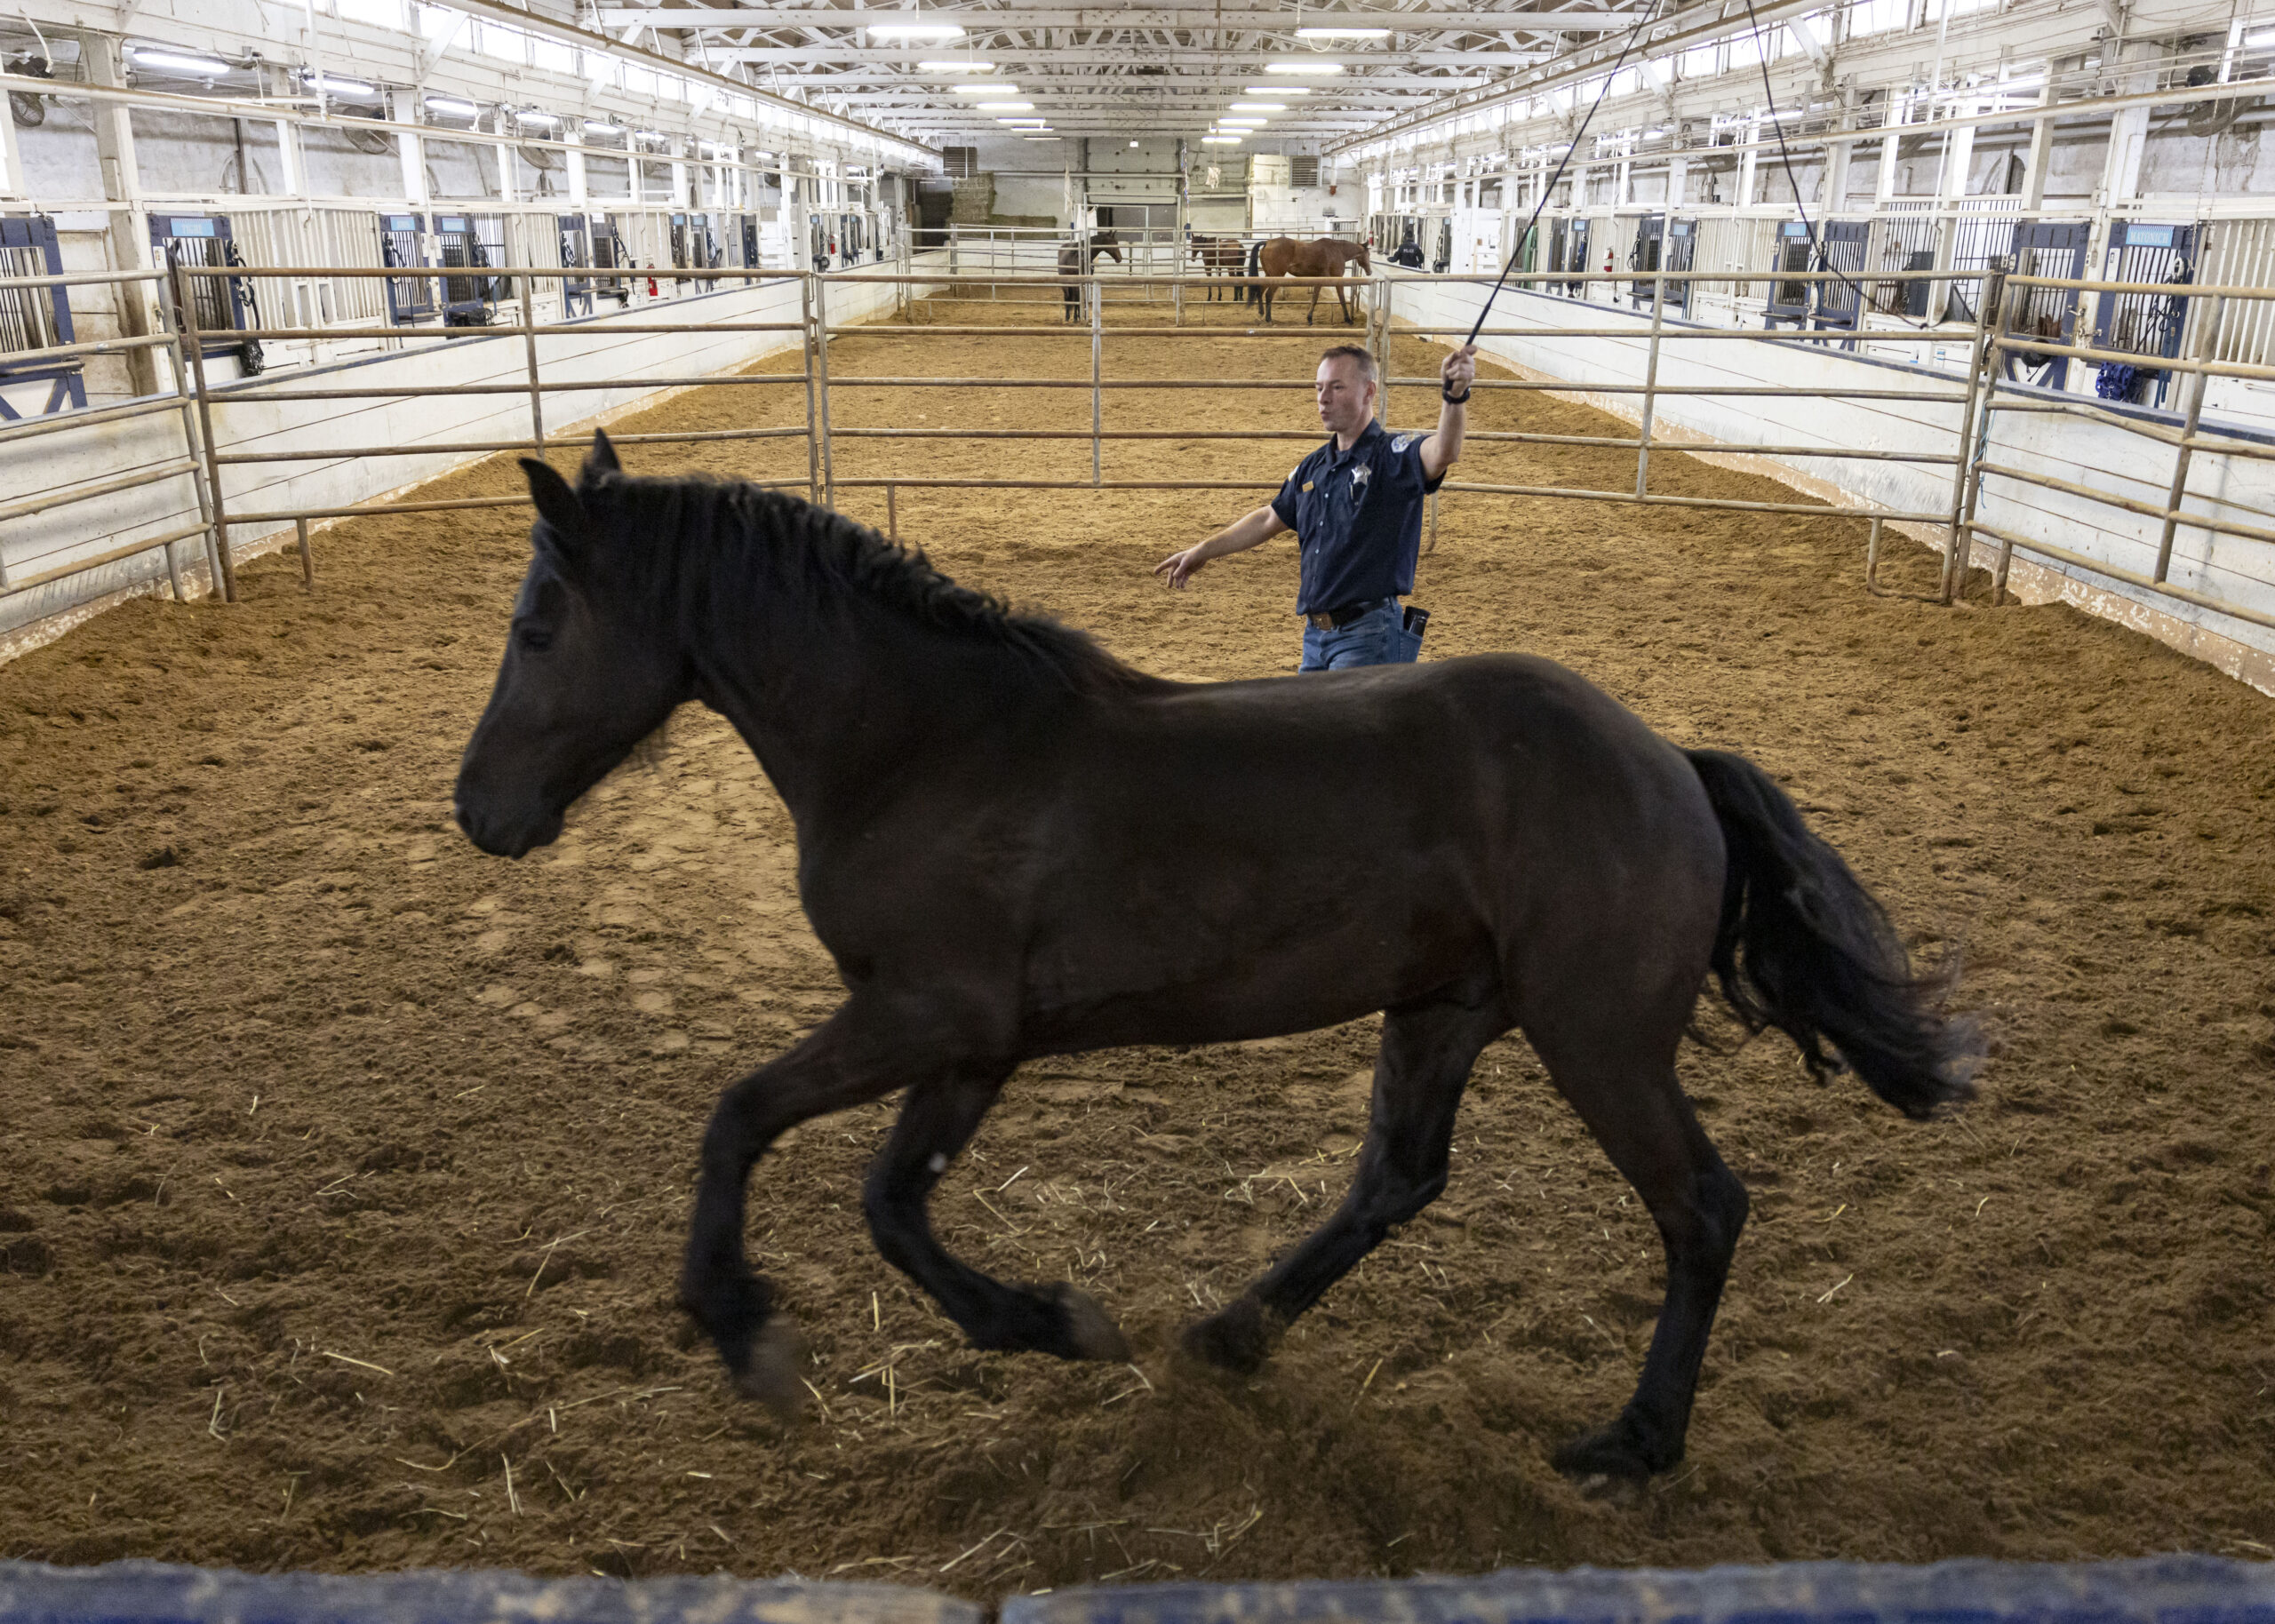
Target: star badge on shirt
(1360, 476)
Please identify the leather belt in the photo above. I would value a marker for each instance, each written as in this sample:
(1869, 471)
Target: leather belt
(1343, 615)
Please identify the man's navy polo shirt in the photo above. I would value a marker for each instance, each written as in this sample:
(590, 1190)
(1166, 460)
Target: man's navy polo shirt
(1357, 515)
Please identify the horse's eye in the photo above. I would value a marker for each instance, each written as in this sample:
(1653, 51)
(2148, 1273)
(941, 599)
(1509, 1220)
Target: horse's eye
(537, 640)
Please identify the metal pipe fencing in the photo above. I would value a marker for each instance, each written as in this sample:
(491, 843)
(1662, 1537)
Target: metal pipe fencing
(1656, 351)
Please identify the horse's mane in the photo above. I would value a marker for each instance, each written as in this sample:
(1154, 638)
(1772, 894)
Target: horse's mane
(778, 543)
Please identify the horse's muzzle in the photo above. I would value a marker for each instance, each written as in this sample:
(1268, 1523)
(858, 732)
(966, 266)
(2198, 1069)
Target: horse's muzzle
(505, 836)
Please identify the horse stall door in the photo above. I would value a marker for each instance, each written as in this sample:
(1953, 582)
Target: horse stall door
(2055, 248)
(576, 255)
(1645, 255)
(222, 304)
(35, 319)
(2144, 323)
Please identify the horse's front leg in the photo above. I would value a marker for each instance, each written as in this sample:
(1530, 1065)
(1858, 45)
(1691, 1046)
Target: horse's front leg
(935, 1123)
(842, 1063)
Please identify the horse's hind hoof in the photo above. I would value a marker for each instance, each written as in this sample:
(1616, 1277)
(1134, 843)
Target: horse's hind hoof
(1090, 1330)
(771, 1373)
(1613, 1459)
(1237, 1337)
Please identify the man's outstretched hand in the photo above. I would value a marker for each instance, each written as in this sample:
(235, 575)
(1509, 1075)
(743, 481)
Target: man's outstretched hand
(1178, 568)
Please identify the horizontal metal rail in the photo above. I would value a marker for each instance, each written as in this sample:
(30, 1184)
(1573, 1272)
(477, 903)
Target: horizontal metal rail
(80, 279)
(456, 505)
(230, 394)
(58, 422)
(11, 360)
(920, 482)
(16, 584)
(585, 328)
(2131, 505)
(485, 272)
(66, 496)
(337, 453)
(1814, 509)
(2009, 543)
(2022, 345)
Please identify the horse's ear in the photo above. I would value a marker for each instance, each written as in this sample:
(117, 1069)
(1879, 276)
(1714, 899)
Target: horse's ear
(556, 503)
(602, 458)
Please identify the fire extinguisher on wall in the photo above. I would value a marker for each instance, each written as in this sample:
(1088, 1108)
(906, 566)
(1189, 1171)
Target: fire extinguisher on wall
(651, 285)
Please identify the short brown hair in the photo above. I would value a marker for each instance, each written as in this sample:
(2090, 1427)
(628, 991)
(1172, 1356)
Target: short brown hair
(1359, 357)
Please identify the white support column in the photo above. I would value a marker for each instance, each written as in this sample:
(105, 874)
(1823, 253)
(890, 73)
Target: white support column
(12, 160)
(130, 227)
(1891, 146)
(1749, 162)
(574, 136)
(1678, 180)
(680, 199)
(410, 150)
(2040, 161)
(1959, 158)
(1836, 177)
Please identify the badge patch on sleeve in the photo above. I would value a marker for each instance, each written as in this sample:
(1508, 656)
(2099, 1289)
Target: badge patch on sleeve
(1399, 444)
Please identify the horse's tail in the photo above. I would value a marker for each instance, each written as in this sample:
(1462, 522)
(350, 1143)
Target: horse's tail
(1804, 947)
(1251, 294)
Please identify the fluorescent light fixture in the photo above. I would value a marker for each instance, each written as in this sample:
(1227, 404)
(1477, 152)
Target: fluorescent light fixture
(1006, 106)
(593, 126)
(1303, 67)
(915, 30)
(454, 107)
(530, 116)
(955, 67)
(985, 90)
(179, 62)
(1221, 140)
(1342, 33)
(333, 85)
(1259, 107)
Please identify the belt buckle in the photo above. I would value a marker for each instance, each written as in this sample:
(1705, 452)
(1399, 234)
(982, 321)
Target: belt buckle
(1321, 621)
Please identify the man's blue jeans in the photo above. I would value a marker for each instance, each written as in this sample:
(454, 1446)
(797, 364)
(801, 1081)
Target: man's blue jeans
(1378, 637)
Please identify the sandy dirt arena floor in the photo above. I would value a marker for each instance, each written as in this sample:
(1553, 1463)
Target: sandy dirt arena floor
(347, 1168)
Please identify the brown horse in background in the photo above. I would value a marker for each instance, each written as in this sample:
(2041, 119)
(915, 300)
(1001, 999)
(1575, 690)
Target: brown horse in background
(1320, 257)
(1219, 257)
(1071, 264)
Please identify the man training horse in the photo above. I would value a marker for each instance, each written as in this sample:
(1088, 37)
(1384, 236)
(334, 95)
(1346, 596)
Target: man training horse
(1355, 506)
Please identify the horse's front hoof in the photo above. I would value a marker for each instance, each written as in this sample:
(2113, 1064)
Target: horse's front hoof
(1237, 1337)
(1090, 1330)
(1616, 1457)
(769, 1374)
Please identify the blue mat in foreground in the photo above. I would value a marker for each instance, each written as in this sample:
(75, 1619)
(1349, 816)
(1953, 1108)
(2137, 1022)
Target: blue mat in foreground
(2159, 1590)
(158, 1593)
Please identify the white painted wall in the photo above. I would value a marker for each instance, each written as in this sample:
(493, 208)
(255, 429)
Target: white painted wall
(2095, 455)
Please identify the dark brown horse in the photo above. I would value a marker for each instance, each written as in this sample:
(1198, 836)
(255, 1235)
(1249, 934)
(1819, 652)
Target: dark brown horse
(1320, 257)
(1219, 257)
(1071, 264)
(1014, 845)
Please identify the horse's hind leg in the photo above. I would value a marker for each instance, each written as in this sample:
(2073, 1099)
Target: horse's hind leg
(935, 1123)
(837, 1066)
(1616, 1068)
(1420, 1071)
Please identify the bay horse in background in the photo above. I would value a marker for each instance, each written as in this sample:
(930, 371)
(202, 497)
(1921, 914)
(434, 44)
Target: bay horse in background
(1013, 845)
(1219, 257)
(1070, 264)
(1320, 257)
